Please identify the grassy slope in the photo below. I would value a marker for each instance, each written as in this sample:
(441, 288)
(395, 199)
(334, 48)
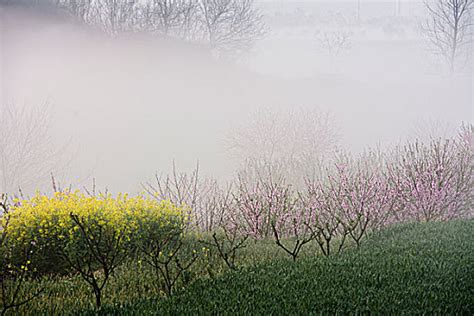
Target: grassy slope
(418, 268)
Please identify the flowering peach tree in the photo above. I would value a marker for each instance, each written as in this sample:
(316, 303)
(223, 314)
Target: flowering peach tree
(433, 181)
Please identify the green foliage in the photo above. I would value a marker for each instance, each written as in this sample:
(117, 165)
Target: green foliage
(411, 268)
(14, 266)
(415, 268)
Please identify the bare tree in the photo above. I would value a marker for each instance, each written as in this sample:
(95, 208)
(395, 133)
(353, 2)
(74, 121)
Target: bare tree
(177, 18)
(112, 16)
(27, 152)
(204, 197)
(449, 29)
(115, 16)
(81, 9)
(230, 26)
(335, 41)
(335, 38)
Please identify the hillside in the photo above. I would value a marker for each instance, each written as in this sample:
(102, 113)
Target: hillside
(419, 268)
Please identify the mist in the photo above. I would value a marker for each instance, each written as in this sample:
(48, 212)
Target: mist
(127, 107)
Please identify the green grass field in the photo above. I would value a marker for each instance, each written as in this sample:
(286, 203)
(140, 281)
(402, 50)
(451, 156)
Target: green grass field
(417, 268)
(406, 269)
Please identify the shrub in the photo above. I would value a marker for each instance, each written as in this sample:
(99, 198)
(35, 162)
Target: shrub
(161, 245)
(13, 271)
(87, 235)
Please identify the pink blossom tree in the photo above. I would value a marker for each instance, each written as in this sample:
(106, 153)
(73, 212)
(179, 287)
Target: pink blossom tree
(290, 221)
(261, 198)
(266, 206)
(324, 219)
(352, 199)
(433, 180)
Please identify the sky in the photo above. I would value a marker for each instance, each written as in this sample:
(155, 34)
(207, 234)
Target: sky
(128, 107)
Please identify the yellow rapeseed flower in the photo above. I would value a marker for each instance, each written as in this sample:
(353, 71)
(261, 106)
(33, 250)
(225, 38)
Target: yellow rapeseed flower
(50, 217)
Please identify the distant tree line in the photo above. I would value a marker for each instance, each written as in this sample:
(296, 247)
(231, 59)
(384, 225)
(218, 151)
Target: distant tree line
(228, 27)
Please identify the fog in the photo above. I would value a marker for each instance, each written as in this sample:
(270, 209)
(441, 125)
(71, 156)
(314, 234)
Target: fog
(125, 107)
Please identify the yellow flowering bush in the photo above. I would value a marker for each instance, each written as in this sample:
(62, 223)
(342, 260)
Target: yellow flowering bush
(73, 232)
(70, 220)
